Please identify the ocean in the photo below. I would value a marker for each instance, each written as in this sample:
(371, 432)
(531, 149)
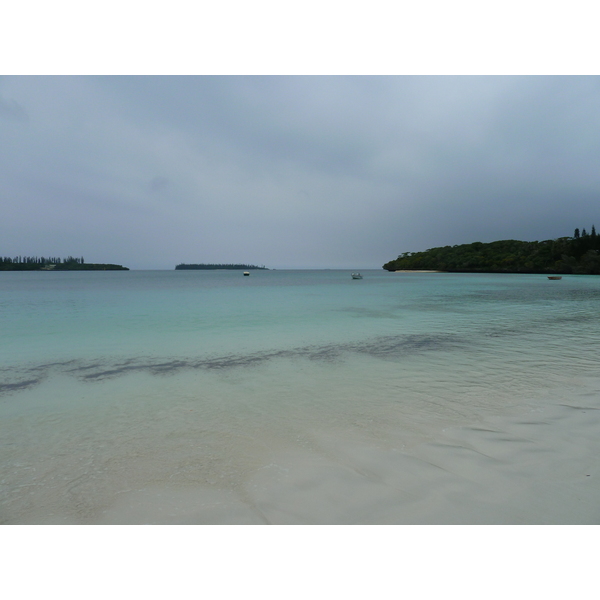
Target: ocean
(298, 397)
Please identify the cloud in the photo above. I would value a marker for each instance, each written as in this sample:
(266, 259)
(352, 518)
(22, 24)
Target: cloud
(13, 111)
(159, 183)
(293, 171)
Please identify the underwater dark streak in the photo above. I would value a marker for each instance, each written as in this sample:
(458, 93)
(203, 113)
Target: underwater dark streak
(386, 347)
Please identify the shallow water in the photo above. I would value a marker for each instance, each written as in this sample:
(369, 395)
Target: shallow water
(297, 397)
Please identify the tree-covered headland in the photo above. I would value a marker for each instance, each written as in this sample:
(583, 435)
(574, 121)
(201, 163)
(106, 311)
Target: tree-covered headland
(42, 263)
(579, 254)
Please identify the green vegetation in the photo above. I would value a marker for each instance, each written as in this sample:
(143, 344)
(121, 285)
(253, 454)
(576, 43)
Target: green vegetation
(41, 263)
(209, 267)
(579, 254)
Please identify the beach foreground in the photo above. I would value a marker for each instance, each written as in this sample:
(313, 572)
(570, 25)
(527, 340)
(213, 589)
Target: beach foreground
(534, 464)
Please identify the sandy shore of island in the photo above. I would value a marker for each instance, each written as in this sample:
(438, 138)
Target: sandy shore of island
(416, 271)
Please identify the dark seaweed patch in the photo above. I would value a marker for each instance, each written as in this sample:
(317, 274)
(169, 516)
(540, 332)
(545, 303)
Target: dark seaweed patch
(19, 385)
(112, 372)
(386, 347)
(398, 346)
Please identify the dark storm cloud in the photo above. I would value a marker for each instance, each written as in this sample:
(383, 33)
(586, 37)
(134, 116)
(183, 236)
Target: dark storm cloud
(293, 171)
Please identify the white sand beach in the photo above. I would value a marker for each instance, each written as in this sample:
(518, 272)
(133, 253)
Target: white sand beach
(531, 465)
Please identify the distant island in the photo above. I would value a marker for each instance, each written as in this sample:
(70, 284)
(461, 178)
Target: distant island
(41, 263)
(210, 267)
(578, 255)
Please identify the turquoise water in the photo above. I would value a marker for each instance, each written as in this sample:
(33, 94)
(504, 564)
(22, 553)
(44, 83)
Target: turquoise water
(119, 381)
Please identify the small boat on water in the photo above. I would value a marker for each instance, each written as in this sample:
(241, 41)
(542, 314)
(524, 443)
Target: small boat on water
(554, 277)
(356, 276)
(246, 273)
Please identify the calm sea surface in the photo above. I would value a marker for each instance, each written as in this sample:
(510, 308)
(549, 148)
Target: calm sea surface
(119, 381)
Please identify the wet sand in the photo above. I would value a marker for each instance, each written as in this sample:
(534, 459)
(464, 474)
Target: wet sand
(237, 461)
(532, 465)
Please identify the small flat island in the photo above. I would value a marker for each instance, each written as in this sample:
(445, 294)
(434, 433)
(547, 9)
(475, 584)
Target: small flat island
(41, 263)
(212, 267)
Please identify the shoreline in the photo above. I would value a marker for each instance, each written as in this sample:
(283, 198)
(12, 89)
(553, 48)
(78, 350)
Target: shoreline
(416, 271)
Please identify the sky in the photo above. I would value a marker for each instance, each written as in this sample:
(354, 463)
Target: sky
(292, 171)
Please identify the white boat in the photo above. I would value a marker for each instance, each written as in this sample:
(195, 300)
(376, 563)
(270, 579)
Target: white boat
(356, 276)
(246, 273)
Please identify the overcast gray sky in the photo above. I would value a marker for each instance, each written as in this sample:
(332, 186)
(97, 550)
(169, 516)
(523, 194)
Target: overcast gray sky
(292, 171)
